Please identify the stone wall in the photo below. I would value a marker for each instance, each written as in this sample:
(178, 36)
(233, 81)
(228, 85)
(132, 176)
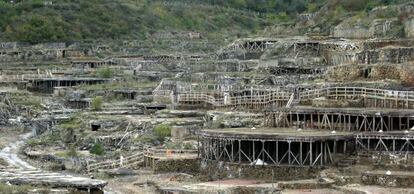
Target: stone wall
(177, 165)
(396, 179)
(351, 32)
(212, 170)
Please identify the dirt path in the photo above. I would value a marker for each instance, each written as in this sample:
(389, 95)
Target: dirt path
(10, 153)
(22, 172)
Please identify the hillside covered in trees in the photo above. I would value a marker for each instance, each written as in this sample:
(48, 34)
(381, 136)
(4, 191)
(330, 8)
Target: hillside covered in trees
(73, 20)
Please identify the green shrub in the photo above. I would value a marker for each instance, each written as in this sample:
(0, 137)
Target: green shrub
(162, 131)
(96, 103)
(97, 149)
(104, 72)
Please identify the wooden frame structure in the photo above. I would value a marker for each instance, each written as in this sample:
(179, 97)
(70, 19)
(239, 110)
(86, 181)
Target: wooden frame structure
(276, 149)
(252, 100)
(396, 143)
(378, 98)
(292, 70)
(48, 84)
(349, 119)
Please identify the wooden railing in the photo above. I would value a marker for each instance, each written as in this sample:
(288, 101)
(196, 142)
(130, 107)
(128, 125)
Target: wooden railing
(348, 92)
(132, 161)
(128, 161)
(234, 100)
(22, 77)
(163, 151)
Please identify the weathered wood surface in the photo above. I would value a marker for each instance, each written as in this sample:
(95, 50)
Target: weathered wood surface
(50, 179)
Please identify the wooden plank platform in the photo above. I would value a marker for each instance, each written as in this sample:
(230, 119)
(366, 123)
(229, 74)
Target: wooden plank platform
(49, 179)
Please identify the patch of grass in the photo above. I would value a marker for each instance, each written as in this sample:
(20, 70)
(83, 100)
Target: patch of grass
(179, 145)
(127, 84)
(96, 103)
(162, 131)
(105, 72)
(73, 123)
(45, 139)
(97, 149)
(71, 152)
(146, 139)
(25, 99)
(3, 162)
(14, 189)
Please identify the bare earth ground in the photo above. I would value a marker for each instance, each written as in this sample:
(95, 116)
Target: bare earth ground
(8, 135)
(312, 191)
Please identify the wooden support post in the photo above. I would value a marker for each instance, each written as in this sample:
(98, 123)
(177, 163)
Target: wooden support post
(319, 122)
(393, 145)
(232, 150)
(321, 158)
(240, 149)
(263, 151)
(198, 146)
(254, 154)
(310, 154)
(345, 144)
(300, 154)
(289, 153)
(277, 151)
(334, 149)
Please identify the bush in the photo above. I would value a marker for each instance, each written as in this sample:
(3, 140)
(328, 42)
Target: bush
(162, 131)
(97, 149)
(96, 103)
(105, 72)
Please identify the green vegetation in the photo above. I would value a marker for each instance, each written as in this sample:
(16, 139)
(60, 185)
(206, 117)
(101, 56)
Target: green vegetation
(74, 122)
(97, 149)
(104, 72)
(146, 139)
(162, 131)
(46, 139)
(179, 145)
(96, 103)
(71, 152)
(3, 162)
(130, 84)
(16, 189)
(25, 99)
(72, 20)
